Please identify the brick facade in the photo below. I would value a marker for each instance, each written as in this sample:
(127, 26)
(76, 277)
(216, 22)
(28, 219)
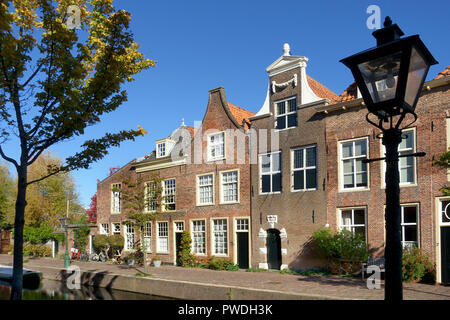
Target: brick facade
(218, 117)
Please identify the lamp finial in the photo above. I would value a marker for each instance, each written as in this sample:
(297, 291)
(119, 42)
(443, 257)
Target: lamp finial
(387, 22)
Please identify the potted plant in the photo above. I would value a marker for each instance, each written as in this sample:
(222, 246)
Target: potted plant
(156, 261)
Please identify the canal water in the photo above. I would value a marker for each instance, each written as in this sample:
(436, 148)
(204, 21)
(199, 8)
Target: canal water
(57, 290)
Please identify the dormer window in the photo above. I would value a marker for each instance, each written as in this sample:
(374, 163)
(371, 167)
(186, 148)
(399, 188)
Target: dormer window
(161, 150)
(164, 147)
(286, 113)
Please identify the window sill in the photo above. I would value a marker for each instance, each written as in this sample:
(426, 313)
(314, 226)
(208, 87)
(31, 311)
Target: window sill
(234, 202)
(405, 185)
(303, 190)
(268, 193)
(278, 130)
(163, 253)
(204, 204)
(353, 190)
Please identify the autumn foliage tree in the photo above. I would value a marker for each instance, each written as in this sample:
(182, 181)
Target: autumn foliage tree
(55, 81)
(91, 213)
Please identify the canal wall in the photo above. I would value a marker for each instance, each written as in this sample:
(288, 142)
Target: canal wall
(174, 288)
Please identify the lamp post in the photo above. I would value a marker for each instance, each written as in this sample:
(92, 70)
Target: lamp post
(390, 77)
(65, 224)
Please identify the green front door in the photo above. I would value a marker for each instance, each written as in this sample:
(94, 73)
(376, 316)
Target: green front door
(273, 249)
(242, 250)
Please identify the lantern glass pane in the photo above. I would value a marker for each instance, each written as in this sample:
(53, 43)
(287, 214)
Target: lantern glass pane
(381, 76)
(418, 69)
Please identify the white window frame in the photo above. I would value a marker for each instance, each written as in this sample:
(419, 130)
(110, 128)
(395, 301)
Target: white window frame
(113, 227)
(352, 226)
(286, 114)
(271, 172)
(147, 194)
(193, 237)
(354, 158)
(293, 170)
(441, 210)
(402, 151)
(159, 237)
(161, 149)
(213, 237)
(198, 178)
(222, 183)
(147, 235)
(210, 146)
(104, 228)
(404, 224)
(166, 194)
(129, 230)
(116, 201)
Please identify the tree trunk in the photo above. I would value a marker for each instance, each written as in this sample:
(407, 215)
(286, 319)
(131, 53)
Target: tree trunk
(144, 246)
(17, 281)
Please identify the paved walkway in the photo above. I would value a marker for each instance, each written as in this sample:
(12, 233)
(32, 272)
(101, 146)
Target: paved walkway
(326, 287)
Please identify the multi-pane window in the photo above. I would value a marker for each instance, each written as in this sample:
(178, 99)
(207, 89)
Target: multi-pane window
(116, 228)
(151, 200)
(198, 237)
(216, 146)
(304, 168)
(445, 213)
(406, 165)
(169, 194)
(163, 237)
(241, 224)
(147, 235)
(115, 195)
(409, 225)
(104, 228)
(179, 226)
(205, 189)
(353, 170)
(230, 188)
(129, 237)
(286, 113)
(220, 237)
(161, 150)
(270, 172)
(354, 220)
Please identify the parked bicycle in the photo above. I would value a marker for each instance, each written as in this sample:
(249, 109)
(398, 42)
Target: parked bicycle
(77, 254)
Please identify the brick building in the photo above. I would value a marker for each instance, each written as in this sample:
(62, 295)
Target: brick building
(356, 191)
(289, 196)
(307, 174)
(205, 190)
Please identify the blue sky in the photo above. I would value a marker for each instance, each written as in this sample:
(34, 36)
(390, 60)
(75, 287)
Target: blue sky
(203, 44)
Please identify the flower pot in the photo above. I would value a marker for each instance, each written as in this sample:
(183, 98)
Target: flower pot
(157, 263)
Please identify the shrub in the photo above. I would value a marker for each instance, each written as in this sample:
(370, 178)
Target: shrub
(221, 264)
(100, 242)
(116, 242)
(416, 266)
(38, 235)
(344, 250)
(36, 250)
(185, 256)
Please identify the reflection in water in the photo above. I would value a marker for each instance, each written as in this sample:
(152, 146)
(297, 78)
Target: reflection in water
(57, 290)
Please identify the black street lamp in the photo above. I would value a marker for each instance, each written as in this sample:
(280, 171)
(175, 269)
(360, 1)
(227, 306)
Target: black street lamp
(390, 78)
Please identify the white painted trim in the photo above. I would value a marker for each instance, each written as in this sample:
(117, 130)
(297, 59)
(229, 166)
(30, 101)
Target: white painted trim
(249, 231)
(157, 237)
(238, 186)
(341, 167)
(304, 168)
(191, 226)
(161, 165)
(211, 238)
(270, 172)
(174, 241)
(197, 189)
(340, 222)
(383, 165)
(208, 147)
